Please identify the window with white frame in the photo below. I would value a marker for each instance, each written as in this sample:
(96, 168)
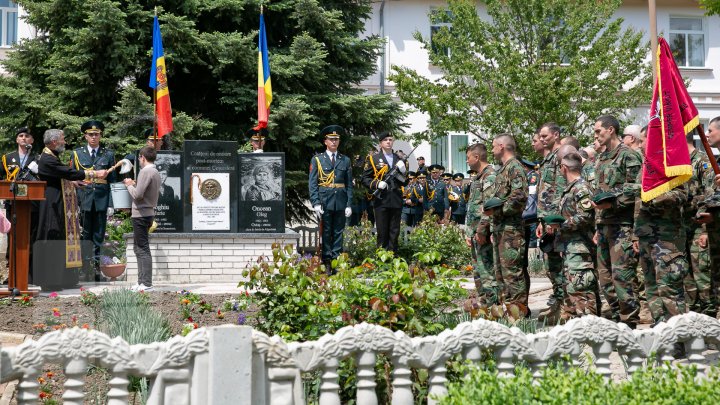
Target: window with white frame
(8, 23)
(449, 151)
(687, 41)
(437, 26)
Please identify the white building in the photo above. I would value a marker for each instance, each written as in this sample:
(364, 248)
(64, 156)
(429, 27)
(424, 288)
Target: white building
(12, 27)
(680, 21)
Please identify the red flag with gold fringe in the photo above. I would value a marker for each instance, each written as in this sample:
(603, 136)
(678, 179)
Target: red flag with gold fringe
(672, 116)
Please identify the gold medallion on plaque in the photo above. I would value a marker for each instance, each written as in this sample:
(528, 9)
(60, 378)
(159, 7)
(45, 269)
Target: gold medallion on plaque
(210, 189)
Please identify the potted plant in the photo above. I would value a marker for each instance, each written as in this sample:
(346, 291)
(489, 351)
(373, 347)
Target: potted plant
(112, 257)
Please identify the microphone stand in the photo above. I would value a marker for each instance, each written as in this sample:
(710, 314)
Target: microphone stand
(14, 292)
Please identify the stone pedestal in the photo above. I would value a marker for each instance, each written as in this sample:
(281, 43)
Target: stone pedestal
(205, 257)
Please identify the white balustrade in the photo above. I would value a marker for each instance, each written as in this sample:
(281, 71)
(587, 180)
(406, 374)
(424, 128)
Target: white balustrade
(239, 365)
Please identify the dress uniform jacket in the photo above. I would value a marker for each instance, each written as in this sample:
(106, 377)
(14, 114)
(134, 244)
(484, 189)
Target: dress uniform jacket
(331, 186)
(13, 159)
(98, 193)
(437, 199)
(392, 196)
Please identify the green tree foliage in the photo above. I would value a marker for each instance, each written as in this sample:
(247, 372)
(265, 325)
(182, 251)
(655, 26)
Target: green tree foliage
(91, 58)
(711, 6)
(532, 61)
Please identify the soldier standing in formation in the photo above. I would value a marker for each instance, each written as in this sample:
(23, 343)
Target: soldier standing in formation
(709, 211)
(380, 177)
(698, 281)
(510, 195)
(408, 210)
(549, 189)
(616, 175)
(437, 200)
(661, 247)
(94, 196)
(331, 191)
(477, 229)
(575, 237)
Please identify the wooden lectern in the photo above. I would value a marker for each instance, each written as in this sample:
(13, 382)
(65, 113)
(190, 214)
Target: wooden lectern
(19, 265)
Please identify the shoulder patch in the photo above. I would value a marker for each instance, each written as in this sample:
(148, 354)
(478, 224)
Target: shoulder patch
(585, 204)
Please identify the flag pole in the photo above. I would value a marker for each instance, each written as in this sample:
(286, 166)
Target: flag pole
(653, 37)
(155, 107)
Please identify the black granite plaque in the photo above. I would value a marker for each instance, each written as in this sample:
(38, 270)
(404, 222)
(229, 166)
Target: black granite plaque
(262, 192)
(210, 191)
(169, 211)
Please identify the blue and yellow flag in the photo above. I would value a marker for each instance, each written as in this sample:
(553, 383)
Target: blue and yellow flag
(158, 81)
(264, 84)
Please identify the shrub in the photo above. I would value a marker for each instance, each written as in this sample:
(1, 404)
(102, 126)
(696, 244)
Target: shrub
(429, 236)
(298, 301)
(386, 291)
(293, 296)
(359, 242)
(426, 237)
(577, 386)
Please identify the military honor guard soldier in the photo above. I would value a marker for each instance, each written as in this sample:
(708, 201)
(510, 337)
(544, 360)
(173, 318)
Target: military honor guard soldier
(331, 193)
(17, 166)
(437, 201)
(380, 178)
(94, 195)
(457, 199)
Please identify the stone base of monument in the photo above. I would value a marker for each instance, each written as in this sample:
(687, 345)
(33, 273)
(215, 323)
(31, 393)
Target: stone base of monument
(205, 257)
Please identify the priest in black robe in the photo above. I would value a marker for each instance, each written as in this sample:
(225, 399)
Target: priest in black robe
(57, 241)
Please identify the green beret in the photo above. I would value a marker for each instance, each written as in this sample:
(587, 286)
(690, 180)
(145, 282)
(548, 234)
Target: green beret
(493, 203)
(604, 197)
(554, 219)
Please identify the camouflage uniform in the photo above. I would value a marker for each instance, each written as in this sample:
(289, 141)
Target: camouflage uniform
(701, 295)
(576, 240)
(511, 186)
(550, 188)
(711, 204)
(476, 222)
(616, 172)
(659, 229)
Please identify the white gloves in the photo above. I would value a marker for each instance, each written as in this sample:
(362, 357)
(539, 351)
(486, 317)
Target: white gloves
(401, 166)
(125, 166)
(348, 212)
(257, 151)
(110, 211)
(318, 210)
(382, 185)
(33, 167)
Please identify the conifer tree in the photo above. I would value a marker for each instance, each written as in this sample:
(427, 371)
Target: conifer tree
(91, 58)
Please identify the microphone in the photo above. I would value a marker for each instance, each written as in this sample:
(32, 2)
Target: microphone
(28, 147)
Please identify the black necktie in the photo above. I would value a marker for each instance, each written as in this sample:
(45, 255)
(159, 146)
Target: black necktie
(332, 160)
(92, 155)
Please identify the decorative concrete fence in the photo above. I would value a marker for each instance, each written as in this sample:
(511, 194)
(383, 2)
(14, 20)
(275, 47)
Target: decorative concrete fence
(238, 365)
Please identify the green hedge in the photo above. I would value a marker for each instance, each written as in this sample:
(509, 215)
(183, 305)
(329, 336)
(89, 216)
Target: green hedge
(655, 386)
